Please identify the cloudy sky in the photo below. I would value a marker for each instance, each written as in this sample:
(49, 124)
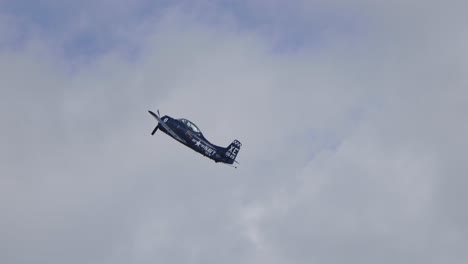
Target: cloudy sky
(352, 116)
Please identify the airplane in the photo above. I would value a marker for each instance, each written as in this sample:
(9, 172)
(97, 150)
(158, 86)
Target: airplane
(187, 133)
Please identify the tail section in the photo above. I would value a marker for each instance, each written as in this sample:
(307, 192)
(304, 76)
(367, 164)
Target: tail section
(232, 151)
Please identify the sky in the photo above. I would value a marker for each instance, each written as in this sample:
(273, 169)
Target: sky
(351, 116)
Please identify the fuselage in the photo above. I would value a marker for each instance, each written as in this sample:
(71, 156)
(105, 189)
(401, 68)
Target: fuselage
(193, 138)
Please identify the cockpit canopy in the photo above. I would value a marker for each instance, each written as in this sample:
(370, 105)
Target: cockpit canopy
(190, 125)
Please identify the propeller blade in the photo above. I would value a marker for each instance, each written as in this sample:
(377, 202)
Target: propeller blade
(158, 113)
(154, 130)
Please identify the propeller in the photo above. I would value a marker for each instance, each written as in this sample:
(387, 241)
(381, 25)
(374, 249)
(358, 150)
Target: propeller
(156, 128)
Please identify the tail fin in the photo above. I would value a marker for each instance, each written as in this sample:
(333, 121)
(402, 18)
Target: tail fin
(232, 150)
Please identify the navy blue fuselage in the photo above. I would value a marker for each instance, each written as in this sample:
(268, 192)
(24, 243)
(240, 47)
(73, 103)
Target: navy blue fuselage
(190, 135)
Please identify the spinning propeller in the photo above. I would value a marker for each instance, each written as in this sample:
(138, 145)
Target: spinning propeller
(157, 126)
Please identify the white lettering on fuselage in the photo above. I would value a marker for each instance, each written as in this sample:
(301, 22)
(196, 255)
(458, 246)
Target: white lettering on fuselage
(208, 150)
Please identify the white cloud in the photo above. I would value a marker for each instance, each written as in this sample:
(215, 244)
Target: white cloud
(355, 153)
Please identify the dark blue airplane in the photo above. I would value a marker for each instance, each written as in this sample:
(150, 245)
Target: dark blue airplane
(190, 135)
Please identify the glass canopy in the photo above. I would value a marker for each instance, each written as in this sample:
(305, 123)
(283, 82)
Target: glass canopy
(190, 125)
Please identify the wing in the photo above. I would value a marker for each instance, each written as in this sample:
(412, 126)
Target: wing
(169, 130)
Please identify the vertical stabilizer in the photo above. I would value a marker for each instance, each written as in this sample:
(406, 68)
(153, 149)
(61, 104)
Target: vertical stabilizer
(232, 150)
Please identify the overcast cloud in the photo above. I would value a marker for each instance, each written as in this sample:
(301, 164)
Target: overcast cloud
(352, 117)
